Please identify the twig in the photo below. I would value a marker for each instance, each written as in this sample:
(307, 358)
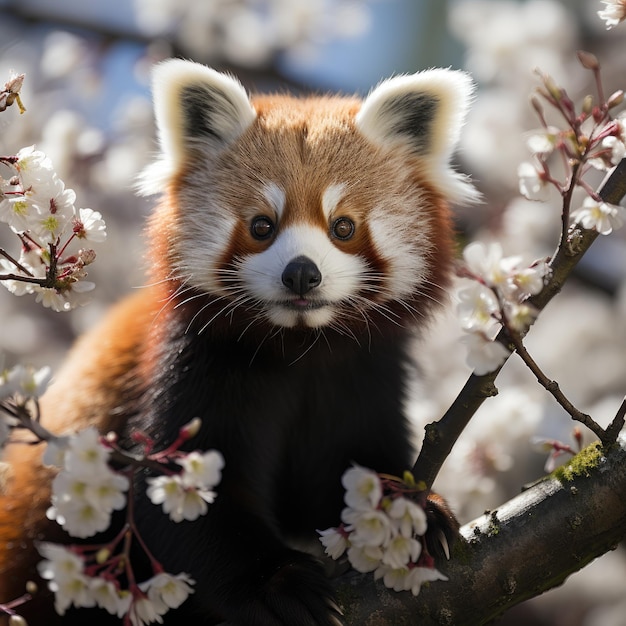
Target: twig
(617, 424)
(553, 388)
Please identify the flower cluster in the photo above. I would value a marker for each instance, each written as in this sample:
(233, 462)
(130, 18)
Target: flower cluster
(184, 496)
(19, 387)
(86, 491)
(38, 207)
(497, 296)
(383, 530)
(591, 139)
(81, 578)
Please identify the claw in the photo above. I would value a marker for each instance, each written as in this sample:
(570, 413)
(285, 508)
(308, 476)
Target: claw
(444, 543)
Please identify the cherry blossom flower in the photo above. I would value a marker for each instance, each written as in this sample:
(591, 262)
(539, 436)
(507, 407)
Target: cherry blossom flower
(179, 501)
(600, 216)
(89, 225)
(334, 541)
(367, 528)
(544, 141)
(417, 576)
(477, 307)
(487, 262)
(167, 591)
(109, 597)
(365, 558)
(64, 571)
(143, 611)
(202, 470)
(25, 380)
(410, 517)
(363, 488)
(400, 551)
(483, 354)
(532, 185)
(86, 490)
(613, 13)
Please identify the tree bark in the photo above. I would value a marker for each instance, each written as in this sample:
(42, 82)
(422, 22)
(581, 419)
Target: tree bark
(528, 545)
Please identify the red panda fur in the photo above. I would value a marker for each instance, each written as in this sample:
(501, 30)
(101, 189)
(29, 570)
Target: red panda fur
(302, 164)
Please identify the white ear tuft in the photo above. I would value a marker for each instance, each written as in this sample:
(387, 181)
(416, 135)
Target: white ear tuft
(425, 112)
(194, 106)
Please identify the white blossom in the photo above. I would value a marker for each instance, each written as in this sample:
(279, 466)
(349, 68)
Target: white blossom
(64, 571)
(86, 490)
(86, 455)
(531, 184)
(417, 576)
(179, 501)
(90, 225)
(108, 597)
(477, 306)
(334, 542)
(363, 488)
(483, 354)
(487, 261)
(409, 517)
(202, 470)
(367, 528)
(393, 578)
(543, 141)
(400, 551)
(25, 380)
(143, 611)
(167, 591)
(365, 558)
(600, 216)
(613, 13)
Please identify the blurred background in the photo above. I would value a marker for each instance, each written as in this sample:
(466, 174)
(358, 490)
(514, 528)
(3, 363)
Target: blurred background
(88, 107)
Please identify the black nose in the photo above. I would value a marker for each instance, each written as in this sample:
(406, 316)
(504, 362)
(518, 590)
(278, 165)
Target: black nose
(301, 275)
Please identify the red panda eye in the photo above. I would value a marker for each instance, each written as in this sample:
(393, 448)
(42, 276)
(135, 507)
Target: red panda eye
(342, 228)
(262, 227)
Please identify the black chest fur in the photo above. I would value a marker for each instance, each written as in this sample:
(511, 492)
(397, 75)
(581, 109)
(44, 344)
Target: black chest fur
(289, 416)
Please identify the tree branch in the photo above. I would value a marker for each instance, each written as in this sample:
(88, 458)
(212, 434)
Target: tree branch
(528, 545)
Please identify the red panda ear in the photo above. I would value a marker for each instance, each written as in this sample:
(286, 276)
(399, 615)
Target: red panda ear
(195, 108)
(425, 112)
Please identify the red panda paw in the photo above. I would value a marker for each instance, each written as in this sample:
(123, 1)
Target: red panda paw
(443, 527)
(298, 592)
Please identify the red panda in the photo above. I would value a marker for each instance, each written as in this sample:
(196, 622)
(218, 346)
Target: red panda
(298, 247)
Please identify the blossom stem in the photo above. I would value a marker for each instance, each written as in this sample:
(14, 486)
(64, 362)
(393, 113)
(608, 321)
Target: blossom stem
(553, 387)
(17, 264)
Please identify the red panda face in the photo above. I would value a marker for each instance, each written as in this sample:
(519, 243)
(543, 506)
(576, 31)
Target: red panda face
(319, 212)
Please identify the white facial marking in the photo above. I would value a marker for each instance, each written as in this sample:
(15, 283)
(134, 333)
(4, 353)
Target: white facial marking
(342, 275)
(275, 195)
(331, 198)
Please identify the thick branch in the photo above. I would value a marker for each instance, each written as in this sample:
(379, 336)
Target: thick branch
(527, 546)
(442, 435)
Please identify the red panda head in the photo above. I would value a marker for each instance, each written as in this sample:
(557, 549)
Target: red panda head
(314, 212)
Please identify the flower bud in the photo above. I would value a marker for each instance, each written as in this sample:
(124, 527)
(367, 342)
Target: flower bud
(588, 60)
(102, 555)
(615, 99)
(31, 587)
(587, 104)
(191, 429)
(17, 620)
